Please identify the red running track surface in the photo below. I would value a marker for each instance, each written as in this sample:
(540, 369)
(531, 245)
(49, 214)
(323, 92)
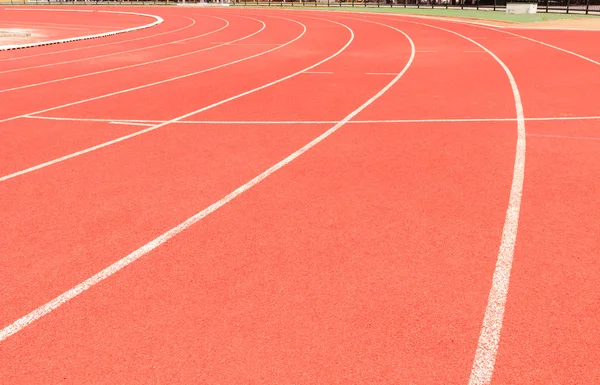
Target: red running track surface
(368, 259)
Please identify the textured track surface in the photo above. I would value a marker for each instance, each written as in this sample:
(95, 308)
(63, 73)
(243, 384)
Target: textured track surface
(366, 259)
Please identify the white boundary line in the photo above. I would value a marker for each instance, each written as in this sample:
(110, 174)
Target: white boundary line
(440, 18)
(122, 67)
(157, 82)
(565, 137)
(489, 338)
(157, 20)
(545, 44)
(499, 28)
(41, 311)
(120, 52)
(162, 124)
(263, 122)
(104, 44)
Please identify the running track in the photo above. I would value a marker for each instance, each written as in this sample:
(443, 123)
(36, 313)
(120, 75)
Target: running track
(265, 196)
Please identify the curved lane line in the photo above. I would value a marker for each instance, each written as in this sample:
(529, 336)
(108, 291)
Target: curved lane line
(104, 44)
(41, 311)
(489, 338)
(122, 67)
(157, 20)
(143, 85)
(121, 52)
(155, 127)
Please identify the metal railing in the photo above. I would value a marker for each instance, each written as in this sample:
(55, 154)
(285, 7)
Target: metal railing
(544, 6)
(591, 7)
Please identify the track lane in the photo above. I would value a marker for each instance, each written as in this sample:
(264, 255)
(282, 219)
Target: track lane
(62, 28)
(544, 309)
(13, 128)
(173, 30)
(314, 303)
(44, 98)
(217, 178)
(550, 331)
(190, 93)
(158, 32)
(55, 73)
(580, 42)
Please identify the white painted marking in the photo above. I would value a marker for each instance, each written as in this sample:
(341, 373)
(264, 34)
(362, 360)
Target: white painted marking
(116, 121)
(134, 124)
(502, 29)
(487, 347)
(155, 83)
(157, 20)
(155, 127)
(565, 137)
(546, 44)
(118, 68)
(41, 311)
(474, 51)
(441, 120)
(110, 54)
(248, 44)
(104, 44)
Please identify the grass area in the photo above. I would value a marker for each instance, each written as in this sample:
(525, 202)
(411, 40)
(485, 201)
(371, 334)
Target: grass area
(488, 14)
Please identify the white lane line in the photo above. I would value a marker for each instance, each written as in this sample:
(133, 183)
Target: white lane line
(154, 83)
(92, 119)
(474, 51)
(463, 21)
(442, 120)
(155, 127)
(249, 44)
(502, 29)
(565, 137)
(122, 67)
(120, 139)
(545, 44)
(41, 311)
(104, 44)
(566, 118)
(157, 20)
(114, 53)
(489, 338)
(133, 123)
(487, 347)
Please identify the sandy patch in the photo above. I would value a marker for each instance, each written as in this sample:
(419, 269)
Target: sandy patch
(583, 23)
(10, 36)
(575, 23)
